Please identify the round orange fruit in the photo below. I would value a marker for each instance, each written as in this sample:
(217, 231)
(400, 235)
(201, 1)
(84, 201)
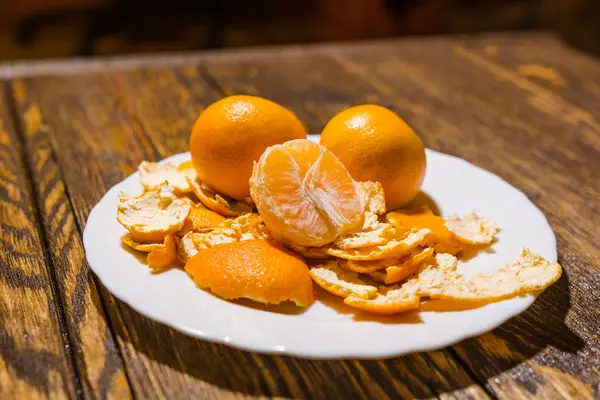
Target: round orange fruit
(253, 269)
(304, 194)
(375, 144)
(231, 134)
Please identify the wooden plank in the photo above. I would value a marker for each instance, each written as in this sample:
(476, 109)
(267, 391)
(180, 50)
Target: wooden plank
(560, 70)
(96, 355)
(34, 353)
(113, 122)
(454, 118)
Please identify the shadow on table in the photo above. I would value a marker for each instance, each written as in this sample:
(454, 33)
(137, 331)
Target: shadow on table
(519, 339)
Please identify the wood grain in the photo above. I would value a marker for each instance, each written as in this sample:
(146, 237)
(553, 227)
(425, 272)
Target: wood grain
(96, 356)
(123, 118)
(34, 354)
(468, 97)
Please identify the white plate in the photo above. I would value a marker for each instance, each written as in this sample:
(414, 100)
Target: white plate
(328, 329)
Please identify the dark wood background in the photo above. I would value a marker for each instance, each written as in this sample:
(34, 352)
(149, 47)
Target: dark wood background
(525, 107)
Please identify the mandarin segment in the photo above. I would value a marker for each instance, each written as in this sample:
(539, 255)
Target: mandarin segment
(258, 270)
(304, 194)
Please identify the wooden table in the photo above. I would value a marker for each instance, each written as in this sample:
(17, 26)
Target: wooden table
(525, 107)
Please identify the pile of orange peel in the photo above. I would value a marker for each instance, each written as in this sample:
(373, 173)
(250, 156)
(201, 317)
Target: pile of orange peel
(308, 221)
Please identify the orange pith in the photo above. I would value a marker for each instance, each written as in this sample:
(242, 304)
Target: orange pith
(304, 194)
(232, 133)
(376, 145)
(255, 269)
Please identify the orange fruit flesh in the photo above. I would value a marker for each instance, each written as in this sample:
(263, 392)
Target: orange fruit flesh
(440, 237)
(254, 269)
(304, 194)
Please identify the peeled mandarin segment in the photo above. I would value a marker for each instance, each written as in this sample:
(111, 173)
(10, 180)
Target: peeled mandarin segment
(329, 183)
(255, 269)
(307, 201)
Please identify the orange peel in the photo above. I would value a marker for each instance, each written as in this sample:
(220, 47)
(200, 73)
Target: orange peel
(258, 270)
(217, 203)
(152, 175)
(472, 229)
(394, 247)
(402, 269)
(152, 215)
(165, 256)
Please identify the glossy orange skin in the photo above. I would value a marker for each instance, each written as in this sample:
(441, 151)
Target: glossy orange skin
(375, 144)
(253, 269)
(232, 133)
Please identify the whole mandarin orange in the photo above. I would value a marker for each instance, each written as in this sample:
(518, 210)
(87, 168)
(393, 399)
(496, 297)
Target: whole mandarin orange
(232, 133)
(375, 144)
